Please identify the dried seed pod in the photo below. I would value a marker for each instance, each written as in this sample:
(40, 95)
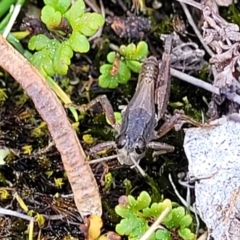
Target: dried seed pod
(79, 173)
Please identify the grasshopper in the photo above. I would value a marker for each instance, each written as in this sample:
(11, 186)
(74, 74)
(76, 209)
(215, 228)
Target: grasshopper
(137, 131)
(141, 116)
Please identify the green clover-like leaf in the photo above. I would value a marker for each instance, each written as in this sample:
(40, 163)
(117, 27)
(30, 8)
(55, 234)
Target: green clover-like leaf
(124, 73)
(43, 62)
(52, 46)
(122, 50)
(133, 227)
(135, 66)
(106, 80)
(147, 212)
(94, 20)
(177, 214)
(59, 5)
(141, 51)
(143, 200)
(140, 227)
(186, 234)
(88, 23)
(38, 42)
(125, 226)
(133, 52)
(123, 211)
(111, 56)
(162, 234)
(128, 51)
(51, 17)
(62, 59)
(132, 202)
(153, 211)
(75, 12)
(79, 42)
(186, 221)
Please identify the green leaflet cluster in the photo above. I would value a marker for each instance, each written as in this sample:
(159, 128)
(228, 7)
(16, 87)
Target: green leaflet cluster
(138, 214)
(70, 26)
(118, 70)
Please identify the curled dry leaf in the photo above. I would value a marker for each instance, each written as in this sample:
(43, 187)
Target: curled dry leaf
(214, 161)
(83, 183)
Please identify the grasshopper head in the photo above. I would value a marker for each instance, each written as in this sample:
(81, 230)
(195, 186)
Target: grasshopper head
(132, 151)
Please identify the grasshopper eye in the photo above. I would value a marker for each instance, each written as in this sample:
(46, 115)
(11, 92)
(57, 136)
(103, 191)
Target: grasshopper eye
(121, 141)
(140, 146)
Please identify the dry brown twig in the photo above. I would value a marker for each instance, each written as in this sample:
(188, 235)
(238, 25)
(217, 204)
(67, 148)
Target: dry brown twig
(83, 183)
(223, 38)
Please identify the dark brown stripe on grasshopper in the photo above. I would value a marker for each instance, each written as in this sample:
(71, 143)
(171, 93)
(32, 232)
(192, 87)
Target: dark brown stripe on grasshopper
(83, 183)
(163, 83)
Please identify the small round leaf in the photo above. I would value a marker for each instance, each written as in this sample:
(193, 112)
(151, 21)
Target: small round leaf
(75, 12)
(95, 20)
(186, 221)
(89, 23)
(111, 56)
(125, 227)
(124, 73)
(79, 42)
(59, 5)
(122, 50)
(51, 17)
(62, 59)
(162, 235)
(135, 66)
(105, 69)
(130, 51)
(38, 42)
(143, 200)
(141, 51)
(123, 211)
(186, 234)
(108, 81)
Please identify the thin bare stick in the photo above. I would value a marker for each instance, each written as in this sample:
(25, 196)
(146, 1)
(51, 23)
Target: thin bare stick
(4, 211)
(93, 5)
(30, 229)
(192, 23)
(192, 3)
(83, 183)
(183, 201)
(105, 159)
(155, 225)
(195, 81)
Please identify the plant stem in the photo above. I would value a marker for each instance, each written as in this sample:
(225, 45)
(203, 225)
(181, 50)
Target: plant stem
(13, 18)
(5, 5)
(155, 225)
(6, 19)
(4, 211)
